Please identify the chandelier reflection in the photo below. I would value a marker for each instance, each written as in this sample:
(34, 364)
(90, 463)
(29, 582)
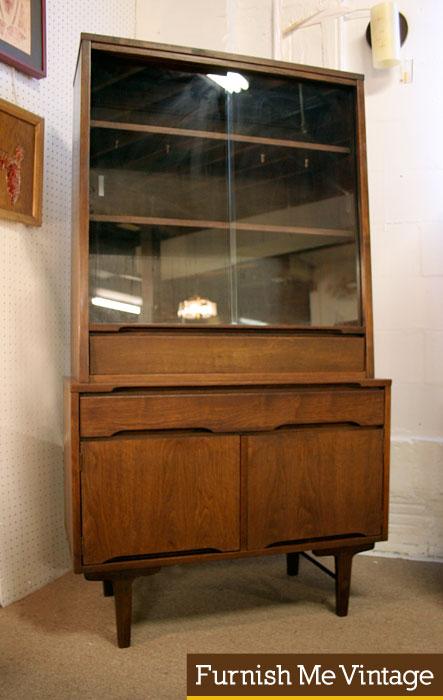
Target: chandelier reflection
(197, 309)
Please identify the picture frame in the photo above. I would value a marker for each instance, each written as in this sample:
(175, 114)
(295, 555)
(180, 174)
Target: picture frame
(21, 164)
(23, 35)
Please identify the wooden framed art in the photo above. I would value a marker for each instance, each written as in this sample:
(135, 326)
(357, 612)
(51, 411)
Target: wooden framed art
(21, 164)
(23, 35)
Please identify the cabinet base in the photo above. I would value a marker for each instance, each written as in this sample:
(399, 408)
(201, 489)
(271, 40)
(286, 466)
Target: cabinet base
(119, 584)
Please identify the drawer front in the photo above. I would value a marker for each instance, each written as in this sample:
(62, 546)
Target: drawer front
(312, 484)
(206, 353)
(157, 495)
(228, 411)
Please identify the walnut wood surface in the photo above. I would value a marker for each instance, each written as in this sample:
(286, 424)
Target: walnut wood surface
(144, 499)
(203, 353)
(189, 327)
(218, 136)
(228, 411)
(159, 494)
(72, 472)
(343, 568)
(314, 483)
(123, 610)
(365, 247)
(387, 459)
(133, 47)
(224, 225)
(80, 218)
(109, 382)
(100, 571)
(152, 52)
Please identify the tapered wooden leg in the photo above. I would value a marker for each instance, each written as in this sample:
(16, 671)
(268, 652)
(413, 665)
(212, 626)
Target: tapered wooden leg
(292, 563)
(123, 610)
(119, 585)
(108, 589)
(343, 568)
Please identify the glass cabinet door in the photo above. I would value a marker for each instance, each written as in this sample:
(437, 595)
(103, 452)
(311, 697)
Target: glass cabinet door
(221, 198)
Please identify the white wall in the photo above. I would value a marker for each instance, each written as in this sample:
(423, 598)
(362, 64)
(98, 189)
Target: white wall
(405, 147)
(34, 316)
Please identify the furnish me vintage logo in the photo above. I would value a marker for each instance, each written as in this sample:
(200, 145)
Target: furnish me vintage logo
(293, 675)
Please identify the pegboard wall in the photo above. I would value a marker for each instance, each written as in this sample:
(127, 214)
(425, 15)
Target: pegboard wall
(34, 313)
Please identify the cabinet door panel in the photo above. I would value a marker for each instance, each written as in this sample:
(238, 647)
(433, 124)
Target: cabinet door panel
(159, 494)
(313, 483)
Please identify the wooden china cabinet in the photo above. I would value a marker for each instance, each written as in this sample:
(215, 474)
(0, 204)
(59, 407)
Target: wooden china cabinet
(222, 401)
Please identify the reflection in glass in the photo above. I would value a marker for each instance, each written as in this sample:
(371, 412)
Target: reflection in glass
(221, 198)
(146, 274)
(156, 269)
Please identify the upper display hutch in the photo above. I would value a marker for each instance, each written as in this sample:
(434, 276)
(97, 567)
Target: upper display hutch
(220, 201)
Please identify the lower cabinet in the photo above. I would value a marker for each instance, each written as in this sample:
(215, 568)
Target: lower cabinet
(313, 484)
(155, 478)
(159, 494)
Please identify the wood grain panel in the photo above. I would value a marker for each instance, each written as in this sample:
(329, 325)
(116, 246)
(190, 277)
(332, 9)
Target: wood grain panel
(140, 565)
(314, 483)
(218, 136)
(80, 218)
(160, 494)
(223, 225)
(363, 213)
(387, 460)
(205, 353)
(134, 47)
(228, 411)
(72, 472)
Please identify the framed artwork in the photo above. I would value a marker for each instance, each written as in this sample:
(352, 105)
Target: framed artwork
(21, 164)
(23, 35)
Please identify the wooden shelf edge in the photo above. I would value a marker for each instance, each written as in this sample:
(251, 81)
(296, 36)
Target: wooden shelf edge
(224, 379)
(219, 136)
(180, 328)
(92, 387)
(225, 225)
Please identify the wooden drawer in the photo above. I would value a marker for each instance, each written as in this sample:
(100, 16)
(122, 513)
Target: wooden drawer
(315, 483)
(228, 411)
(217, 353)
(157, 494)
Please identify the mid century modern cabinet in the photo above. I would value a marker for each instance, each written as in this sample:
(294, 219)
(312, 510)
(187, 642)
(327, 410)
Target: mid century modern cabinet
(221, 401)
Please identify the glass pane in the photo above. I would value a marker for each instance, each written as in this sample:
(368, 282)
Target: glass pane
(284, 108)
(294, 187)
(300, 264)
(296, 279)
(146, 274)
(127, 90)
(156, 175)
(221, 197)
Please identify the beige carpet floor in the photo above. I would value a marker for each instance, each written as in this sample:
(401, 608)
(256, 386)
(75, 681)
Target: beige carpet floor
(60, 641)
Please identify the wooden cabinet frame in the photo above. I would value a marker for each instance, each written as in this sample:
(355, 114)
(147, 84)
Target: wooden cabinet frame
(86, 363)
(271, 387)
